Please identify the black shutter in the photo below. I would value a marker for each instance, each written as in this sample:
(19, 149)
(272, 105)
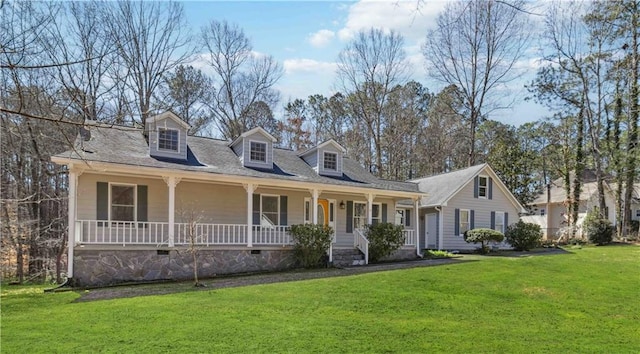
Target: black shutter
(472, 222)
(456, 226)
(506, 220)
(475, 186)
(407, 217)
(490, 188)
(256, 209)
(349, 217)
(493, 219)
(102, 202)
(142, 203)
(283, 210)
(384, 212)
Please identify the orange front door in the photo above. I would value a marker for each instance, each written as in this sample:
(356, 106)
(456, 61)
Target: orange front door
(323, 212)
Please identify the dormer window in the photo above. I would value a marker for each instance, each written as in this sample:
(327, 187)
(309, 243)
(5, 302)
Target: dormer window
(330, 161)
(483, 186)
(258, 152)
(168, 139)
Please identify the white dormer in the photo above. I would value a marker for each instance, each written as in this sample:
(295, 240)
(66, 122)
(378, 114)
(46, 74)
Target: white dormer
(326, 158)
(167, 136)
(255, 148)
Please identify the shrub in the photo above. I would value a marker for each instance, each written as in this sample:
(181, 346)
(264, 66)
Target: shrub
(523, 236)
(483, 235)
(311, 243)
(597, 230)
(438, 254)
(384, 239)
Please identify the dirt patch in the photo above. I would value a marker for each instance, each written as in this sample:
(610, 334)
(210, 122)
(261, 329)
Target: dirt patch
(134, 290)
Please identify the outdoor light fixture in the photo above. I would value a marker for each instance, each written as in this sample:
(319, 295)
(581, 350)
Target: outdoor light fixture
(342, 204)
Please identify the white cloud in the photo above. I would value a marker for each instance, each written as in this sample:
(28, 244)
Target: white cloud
(321, 38)
(292, 66)
(412, 19)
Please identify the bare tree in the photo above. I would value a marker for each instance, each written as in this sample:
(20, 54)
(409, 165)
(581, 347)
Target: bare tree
(241, 76)
(150, 40)
(476, 46)
(369, 68)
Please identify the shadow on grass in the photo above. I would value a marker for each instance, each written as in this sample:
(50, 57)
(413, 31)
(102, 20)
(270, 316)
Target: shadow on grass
(232, 281)
(533, 252)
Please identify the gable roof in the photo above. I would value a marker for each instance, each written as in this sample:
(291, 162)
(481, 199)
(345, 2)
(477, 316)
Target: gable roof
(557, 193)
(169, 115)
(127, 147)
(321, 145)
(441, 188)
(251, 132)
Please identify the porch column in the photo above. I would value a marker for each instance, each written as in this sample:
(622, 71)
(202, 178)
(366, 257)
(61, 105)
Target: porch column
(314, 194)
(172, 181)
(71, 227)
(250, 188)
(370, 208)
(416, 206)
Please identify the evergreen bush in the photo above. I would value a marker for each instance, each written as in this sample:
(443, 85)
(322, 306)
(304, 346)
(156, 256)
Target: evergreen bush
(597, 230)
(523, 236)
(384, 239)
(483, 236)
(311, 243)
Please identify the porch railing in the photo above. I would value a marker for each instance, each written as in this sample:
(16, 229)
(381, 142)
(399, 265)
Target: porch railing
(360, 242)
(409, 237)
(157, 233)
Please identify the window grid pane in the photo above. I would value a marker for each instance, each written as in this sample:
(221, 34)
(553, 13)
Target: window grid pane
(258, 152)
(270, 214)
(330, 161)
(168, 139)
(464, 221)
(482, 186)
(122, 203)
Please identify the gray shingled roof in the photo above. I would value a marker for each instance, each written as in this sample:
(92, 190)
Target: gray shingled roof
(127, 146)
(558, 194)
(440, 188)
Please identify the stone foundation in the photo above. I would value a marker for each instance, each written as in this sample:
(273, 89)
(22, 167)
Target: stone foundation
(403, 254)
(110, 267)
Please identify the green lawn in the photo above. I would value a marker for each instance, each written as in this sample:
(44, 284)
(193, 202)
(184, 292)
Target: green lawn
(587, 300)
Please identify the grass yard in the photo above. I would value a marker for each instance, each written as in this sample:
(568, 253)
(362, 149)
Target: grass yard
(587, 300)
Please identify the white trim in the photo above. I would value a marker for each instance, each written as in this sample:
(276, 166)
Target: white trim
(495, 221)
(461, 233)
(135, 200)
(158, 140)
(278, 207)
(251, 132)
(486, 187)
(266, 152)
(154, 172)
(324, 167)
(168, 115)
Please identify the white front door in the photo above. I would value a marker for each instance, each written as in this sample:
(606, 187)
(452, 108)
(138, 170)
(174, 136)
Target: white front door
(431, 229)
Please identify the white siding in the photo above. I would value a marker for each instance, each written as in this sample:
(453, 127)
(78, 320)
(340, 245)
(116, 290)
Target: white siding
(257, 137)
(182, 139)
(482, 209)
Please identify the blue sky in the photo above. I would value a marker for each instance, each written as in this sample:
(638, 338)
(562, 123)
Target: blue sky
(305, 37)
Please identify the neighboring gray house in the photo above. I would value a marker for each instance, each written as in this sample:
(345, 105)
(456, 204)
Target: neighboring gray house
(134, 197)
(461, 200)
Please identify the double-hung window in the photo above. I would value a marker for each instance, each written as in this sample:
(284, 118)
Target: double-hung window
(359, 215)
(400, 216)
(123, 202)
(168, 139)
(330, 161)
(465, 221)
(270, 210)
(376, 214)
(499, 222)
(483, 186)
(258, 152)
(542, 212)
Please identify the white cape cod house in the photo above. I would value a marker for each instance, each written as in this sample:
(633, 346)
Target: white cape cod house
(133, 196)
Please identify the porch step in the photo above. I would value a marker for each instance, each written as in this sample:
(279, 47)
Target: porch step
(348, 257)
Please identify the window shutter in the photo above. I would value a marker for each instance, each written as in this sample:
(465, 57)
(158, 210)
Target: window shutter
(490, 188)
(472, 221)
(407, 217)
(142, 203)
(475, 186)
(283, 210)
(493, 219)
(384, 212)
(349, 216)
(456, 227)
(256, 209)
(506, 220)
(102, 200)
